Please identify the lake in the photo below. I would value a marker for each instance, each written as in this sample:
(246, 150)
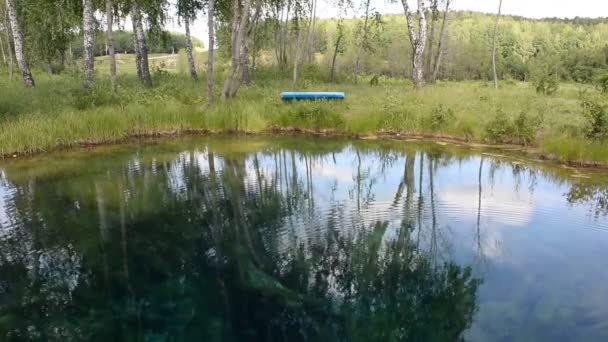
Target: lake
(300, 239)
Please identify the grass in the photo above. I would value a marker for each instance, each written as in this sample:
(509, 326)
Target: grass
(59, 114)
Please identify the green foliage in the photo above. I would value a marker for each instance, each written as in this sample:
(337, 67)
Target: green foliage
(596, 112)
(547, 85)
(526, 127)
(602, 83)
(520, 130)
(440, 117)
(500, 128)
(396, 115)
(311, 115)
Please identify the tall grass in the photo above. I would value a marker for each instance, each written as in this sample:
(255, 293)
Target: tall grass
(58, 113)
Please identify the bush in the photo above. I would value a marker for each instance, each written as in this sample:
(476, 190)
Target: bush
(596, 113)
(311, 115)
(547, 85)
(602, 84)
(522, 130)
(395, 113)
(440, 117)
(500, 128)
(525, 128)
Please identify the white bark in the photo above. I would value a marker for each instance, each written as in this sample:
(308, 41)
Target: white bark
(311, 32)
(110, 42)
(441, 41)
(18, 44)
(363, 41)
(211, 49)
(234, 52)
(418, 40)
(494, 46)
(136, 50)
(88, 34)
(429, 54)
(3, 53)
(239, 36)
(140, 36)
(296, 61)
(189, 52)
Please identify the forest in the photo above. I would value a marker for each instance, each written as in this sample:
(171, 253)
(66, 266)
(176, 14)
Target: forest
(112, 70)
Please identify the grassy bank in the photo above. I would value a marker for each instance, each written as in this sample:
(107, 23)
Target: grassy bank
(59, 114)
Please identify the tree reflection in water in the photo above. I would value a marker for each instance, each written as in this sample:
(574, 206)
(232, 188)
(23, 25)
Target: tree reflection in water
(206, 247)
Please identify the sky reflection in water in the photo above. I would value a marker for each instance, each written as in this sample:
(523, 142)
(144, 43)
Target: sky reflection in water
(300, 239)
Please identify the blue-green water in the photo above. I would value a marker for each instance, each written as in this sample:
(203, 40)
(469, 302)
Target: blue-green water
(300, 239)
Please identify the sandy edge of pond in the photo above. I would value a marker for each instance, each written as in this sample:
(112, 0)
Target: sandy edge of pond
(441, 139)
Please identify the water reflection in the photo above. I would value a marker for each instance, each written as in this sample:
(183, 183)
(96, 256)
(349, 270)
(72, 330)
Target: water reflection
(314, 243)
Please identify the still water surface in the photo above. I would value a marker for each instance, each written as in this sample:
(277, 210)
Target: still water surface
(299, 239)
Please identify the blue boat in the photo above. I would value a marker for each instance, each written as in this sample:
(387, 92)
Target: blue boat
(312, 95)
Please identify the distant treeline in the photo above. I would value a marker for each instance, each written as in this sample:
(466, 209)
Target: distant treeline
(528, 49)
(158, 42)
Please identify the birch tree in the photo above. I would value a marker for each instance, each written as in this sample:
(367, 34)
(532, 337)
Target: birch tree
(110, 42)
(494, 45)
(140, 44)
(240, 17)
(440, 47)
(187, 10)
(9, 47)
(431, 39)
(362, 41)
(5, 30)
(211, 49)
(88, 34)
(337, 48)
(244, 76)
(18, 44)
(417, 39)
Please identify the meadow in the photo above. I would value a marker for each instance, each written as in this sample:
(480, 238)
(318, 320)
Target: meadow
(58, 113)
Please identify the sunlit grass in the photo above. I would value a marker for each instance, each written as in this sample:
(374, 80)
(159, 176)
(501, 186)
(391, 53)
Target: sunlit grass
(59, 114)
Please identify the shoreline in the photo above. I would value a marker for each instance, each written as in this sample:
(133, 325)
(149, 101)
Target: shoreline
(530, 151)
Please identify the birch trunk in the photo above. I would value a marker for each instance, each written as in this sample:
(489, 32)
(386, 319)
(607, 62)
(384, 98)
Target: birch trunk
(235, 51)
(439, 55)
(136, 50)
(296, 61)
(18, 43)
(211, 50)
(3, 53)
(110, 43)
(143, 47)
(494, 46)
(429, 55)
(284, 37)
(362, 42)
(189, 49)
(418, 40)
(333, 60)
(244, 76)
(88, 32)
(311, 32)
(239, 50)
(9, 47)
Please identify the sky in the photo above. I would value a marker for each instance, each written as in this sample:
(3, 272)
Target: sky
(525, 8)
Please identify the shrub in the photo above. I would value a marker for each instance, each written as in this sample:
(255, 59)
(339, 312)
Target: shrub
(395, 114)
(596, 113)
(525, 128)
(311, 115)
(500, 128)
(602, 84)
(440, 117)
(547, 85)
